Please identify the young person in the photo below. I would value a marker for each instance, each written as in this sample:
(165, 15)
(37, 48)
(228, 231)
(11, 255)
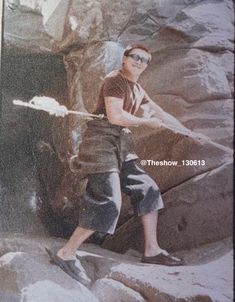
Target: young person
(107, 159)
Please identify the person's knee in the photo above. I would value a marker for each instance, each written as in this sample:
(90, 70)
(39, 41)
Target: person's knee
(153, 187)
(148, 195)
(150, 188)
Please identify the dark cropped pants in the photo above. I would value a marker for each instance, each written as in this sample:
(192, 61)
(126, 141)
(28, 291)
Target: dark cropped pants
(101, 204)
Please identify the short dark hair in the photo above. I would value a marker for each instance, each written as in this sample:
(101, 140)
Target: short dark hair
(130, 47)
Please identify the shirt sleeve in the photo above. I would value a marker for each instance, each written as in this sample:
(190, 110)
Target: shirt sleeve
(114, 86)
(145, 99)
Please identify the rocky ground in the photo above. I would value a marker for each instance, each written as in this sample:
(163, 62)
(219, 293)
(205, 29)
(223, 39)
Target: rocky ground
(26, 274)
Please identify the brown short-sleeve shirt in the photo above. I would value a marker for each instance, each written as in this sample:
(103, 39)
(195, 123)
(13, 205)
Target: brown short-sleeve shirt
(116, 85)
(105, 146)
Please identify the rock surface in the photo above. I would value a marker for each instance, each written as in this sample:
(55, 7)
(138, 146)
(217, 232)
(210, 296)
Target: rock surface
(23, 27)
(25, 137)
(190, 76)
(200, 25)
(27, 275)
(198, 215)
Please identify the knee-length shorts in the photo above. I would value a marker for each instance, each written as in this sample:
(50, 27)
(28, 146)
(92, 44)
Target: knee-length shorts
(101, 203)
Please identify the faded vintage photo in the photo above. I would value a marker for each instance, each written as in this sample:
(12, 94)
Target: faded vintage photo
(116, 151)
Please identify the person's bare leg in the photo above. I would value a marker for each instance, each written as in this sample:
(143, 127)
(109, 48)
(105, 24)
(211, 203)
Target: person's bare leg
(149, 222)
(68, 251)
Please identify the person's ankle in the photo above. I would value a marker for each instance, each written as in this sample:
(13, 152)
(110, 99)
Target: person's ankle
(66, 255)
(154, 251)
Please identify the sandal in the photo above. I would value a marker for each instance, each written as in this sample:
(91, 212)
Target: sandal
(69, 267)
(163, 259)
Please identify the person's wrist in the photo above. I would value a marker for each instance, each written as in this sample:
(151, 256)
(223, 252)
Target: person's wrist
(145, 122)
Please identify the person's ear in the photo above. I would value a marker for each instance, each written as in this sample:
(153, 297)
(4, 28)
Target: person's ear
(123, 61)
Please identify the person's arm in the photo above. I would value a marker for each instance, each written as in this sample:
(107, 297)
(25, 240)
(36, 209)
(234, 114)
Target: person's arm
(117, 116)
(168, 121)
(165, 117)
(160, 119)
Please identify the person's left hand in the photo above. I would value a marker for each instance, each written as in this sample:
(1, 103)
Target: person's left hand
(126, 130)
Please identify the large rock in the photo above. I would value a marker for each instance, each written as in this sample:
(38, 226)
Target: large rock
(172, 158)
(197, 76)
(54, 17)
(27, 275)
(106, 289)
(34, 26)
(190, 76)
(212, 118)
(20, 203)
(28, 278)
(206, 25)
(86, 70)
(226, 61)
(94, 21)
(183, 284)
(61, 25)
(196, 212)
(23, 27)
(25, 136)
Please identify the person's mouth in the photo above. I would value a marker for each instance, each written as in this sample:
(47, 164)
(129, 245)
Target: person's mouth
(136, 66)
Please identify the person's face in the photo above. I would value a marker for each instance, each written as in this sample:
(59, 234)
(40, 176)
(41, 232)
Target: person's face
(136, 61)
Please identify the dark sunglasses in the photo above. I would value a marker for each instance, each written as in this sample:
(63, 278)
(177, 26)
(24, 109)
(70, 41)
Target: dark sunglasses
(136, 58)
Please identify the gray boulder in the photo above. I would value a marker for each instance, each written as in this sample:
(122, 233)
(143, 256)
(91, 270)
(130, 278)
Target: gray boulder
(198, 211)
(27, 275)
